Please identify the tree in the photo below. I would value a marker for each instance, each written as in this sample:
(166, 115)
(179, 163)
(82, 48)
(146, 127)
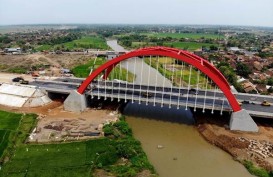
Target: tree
(230, 75)
(270, 90)
(243, 70)
(270, 81)
(213, 48)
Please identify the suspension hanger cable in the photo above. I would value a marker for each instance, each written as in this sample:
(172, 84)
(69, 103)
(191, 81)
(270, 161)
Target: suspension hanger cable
(213, 100)
(142, 61)
(164, 79)
(113, 76)
(206, 90)
(172, 80)
(119, 81)
(149, 77)
(157, 63)
(223, 102)
(127, 73)
(188, 88)
(134, 82)
(180, 86)
(105, 97)
(197, 90)
(98, 87)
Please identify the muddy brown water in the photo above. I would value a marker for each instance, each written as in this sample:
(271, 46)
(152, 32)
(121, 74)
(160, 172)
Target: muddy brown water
(184, 152)
(174, 146)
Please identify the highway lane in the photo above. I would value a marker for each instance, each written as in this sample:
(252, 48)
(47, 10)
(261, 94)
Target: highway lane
(254, 104)
(240, 96)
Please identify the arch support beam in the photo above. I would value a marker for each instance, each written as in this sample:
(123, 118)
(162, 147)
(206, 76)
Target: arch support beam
(203, 65)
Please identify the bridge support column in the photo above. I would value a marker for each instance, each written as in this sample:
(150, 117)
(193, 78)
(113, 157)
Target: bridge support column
(242, 121)
(75, 102)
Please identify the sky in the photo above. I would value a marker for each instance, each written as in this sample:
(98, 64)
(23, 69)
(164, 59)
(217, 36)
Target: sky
(211, 12)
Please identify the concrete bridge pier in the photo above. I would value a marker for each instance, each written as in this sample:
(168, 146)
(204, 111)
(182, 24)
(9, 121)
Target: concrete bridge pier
(75, 102)
(242, 121)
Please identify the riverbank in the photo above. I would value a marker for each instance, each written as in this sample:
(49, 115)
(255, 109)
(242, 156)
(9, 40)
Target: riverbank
(115, 154)
(244, 147)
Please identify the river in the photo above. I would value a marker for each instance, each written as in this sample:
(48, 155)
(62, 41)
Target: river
(174, 146)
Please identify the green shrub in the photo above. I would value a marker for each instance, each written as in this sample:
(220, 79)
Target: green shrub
(108, 130)
(255, 170)
(128, 147)
(123, 171)
(108, 158)
(123, 127)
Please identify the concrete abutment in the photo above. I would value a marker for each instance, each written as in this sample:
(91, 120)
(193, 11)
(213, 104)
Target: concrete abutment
(242, 121)
(75, 102)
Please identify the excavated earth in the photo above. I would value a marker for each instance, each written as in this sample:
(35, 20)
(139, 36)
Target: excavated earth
(255, 147)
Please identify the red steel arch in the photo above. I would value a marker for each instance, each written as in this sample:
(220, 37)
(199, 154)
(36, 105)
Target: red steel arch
(203, 65)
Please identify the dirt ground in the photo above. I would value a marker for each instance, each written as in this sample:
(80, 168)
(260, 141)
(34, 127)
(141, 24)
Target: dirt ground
(55, 124)
(60, 125)
(7, 77)
(255, 147)
(56, 61)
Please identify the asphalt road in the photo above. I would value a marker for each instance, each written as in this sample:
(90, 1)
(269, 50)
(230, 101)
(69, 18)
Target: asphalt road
(174, 93)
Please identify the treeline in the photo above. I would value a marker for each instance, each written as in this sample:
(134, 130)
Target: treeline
(5, 39)
(127, 40)
(59, 40)
(230, 75)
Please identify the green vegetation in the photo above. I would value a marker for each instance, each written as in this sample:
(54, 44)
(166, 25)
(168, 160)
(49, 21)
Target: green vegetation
(45, 47)
(181, 74)
(84, 42)
(75, 159)
(14, 128)
(186, 41)
(181, 45)
(188, 45)
(18, 69)
(185, 35)
(259, 172)
(230, 75)
(243, 70)
(84, 70)
(87, 42)
(126, 147)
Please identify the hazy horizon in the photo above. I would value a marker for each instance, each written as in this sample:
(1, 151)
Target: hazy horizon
(141, 12)
(58, 24)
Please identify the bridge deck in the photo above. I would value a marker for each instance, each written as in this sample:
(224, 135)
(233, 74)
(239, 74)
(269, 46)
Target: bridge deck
(254, 107)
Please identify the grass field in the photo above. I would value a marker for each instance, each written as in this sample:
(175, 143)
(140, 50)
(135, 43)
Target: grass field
(185, 35)
(4, 140)
(9, 122)
(84, 70)
(13, 130)
(66, 159)
(76, 159)
(136, 45)
(86, 42)
(191, 46)
(177, 77)
(44, 47)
